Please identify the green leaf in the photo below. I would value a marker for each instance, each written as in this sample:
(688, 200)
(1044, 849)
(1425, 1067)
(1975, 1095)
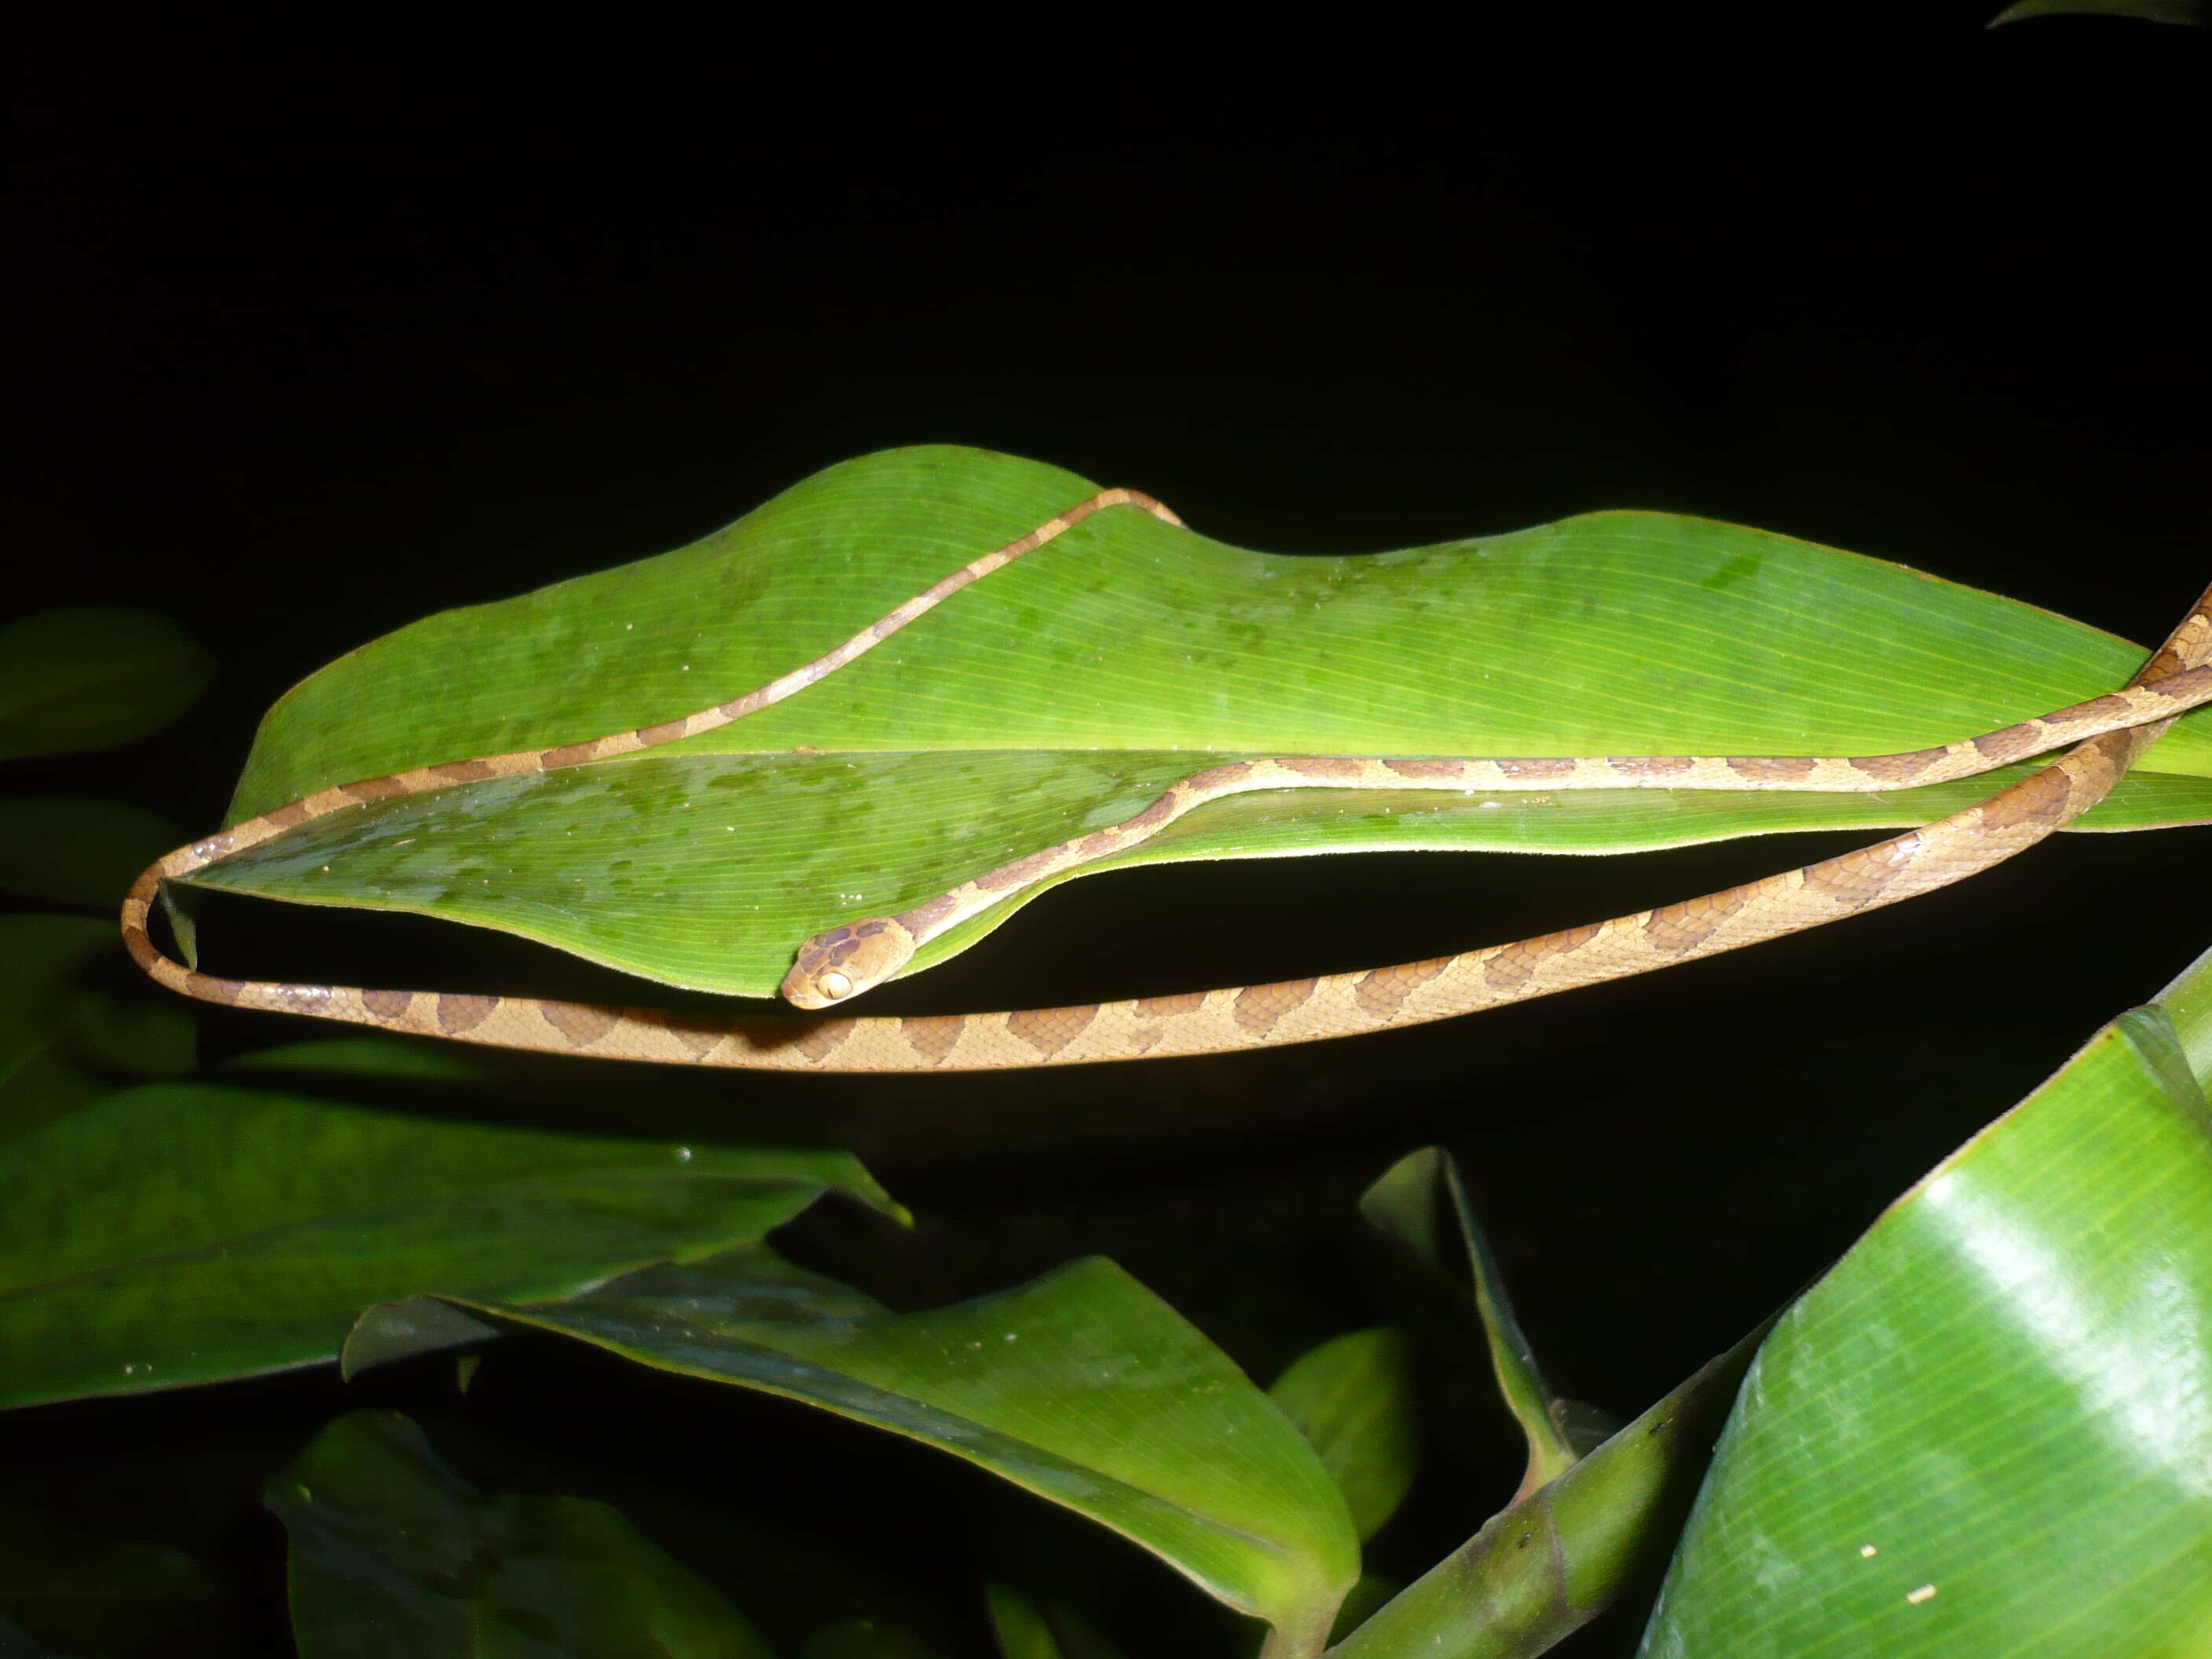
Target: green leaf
(735, 1286)
(2188, 1003)
(1019, 1625)
(1988, 1430)
(1559, 1556)
(78, 851)
(1402, 1203)
(394, 1554)
(1352, 1399)
(2157, 11)
(43, 1074)
(62, 1040)
(370, 1056)
(1067, 690)
(182, 1233)
(92, 677)
(90, 1593)
(131, 1034)
(1081, 1386)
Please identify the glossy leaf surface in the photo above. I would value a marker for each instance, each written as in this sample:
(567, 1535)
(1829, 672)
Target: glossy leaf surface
(1063, 692)
(181, 1233)
(1352, 1399)
(1988, 1430)
(393, 1552)
(1081, 1386)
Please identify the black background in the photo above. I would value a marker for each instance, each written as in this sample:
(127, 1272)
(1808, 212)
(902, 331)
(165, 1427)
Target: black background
(312, 335)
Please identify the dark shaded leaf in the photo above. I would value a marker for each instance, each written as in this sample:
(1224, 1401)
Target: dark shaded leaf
(78, 851)
(181, 1233)
(1081, 1386)
(93, 676)
(1544, 1567)
(2199, 12)
(93, 1594)
(42, 1075)
(1352, 1399)
(394, 1553)
(1403, 1204)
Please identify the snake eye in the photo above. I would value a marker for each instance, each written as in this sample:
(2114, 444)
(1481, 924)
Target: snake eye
(833, 985)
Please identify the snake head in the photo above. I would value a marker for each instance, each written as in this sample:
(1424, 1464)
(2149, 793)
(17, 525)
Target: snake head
(838, 965)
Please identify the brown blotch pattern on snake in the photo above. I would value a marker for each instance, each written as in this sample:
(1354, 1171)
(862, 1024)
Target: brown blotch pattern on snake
(1021, 872)
(213, 989)
(1536, 768)
(1773, 768)
(1435, 770)
(1049, 1030)
(1897, 768)
(820, 1042)
(2012, 740)
(1183, 1002)
(1857, 878)
(372, 788)
(1674, 929)
(458, 1012)
(2040, 799)
(579, 1022)
(1260, 1006)
(932, 1036)
(1321, 766)
(1383, 991)
(466, 771)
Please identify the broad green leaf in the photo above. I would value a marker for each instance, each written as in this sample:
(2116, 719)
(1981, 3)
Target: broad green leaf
(1988, 1429)
(392, 1553)
(1063, 692)
(1352, 1399)
(63, 1040)
(1559, 1556)
(40, 957)
(131, 1034)
(2156, 11)
(1035, 1627)
(91, 676)
(1019, 1625)
(370, 1056)
(181, 1233)
(736, 1286)
(1081, 1386)
(78, 851)
(2188, 1003)
(91, 1594)
(1402, 1203)
(44, 1075)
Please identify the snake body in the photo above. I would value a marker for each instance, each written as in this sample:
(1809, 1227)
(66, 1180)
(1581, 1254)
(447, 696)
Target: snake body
(2108, 732)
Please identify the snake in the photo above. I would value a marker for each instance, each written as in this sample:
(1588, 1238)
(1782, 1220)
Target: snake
(2106, 734)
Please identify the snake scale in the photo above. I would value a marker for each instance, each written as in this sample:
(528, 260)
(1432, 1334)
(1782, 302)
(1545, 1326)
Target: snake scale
(2108, 733)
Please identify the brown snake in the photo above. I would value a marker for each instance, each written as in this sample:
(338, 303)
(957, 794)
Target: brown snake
(2109, 732)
